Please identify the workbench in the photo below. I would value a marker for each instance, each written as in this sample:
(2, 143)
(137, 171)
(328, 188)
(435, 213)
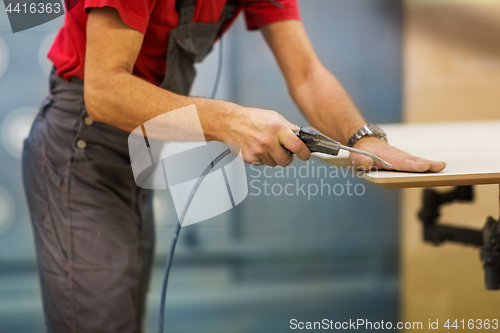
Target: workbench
(470, 150)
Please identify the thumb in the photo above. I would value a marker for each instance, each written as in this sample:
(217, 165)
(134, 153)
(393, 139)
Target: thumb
(361, 162)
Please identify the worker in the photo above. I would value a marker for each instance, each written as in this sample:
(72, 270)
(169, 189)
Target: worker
(118, 64)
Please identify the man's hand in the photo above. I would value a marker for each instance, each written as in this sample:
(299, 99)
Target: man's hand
(265, 137)
(400, 160)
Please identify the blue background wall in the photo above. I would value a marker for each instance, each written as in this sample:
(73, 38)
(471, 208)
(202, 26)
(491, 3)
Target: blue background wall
(273, 258)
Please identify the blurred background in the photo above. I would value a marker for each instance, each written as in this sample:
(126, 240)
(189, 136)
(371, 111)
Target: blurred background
(274, 258)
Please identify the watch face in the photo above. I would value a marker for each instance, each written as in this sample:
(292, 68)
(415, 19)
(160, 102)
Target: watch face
(376, 129)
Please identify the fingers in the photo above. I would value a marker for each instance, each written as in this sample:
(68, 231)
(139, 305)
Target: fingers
(400, 162)
(281, 156)
(407, 162)
(413, 165)
(274, 151)
(257, 160)
(261, 156)
(291, 142)
(268, 160)
(279, 151)
(361, 162)
(437, 166)
(267, 137)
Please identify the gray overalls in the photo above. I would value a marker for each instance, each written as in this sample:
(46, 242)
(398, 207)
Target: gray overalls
(93, 226)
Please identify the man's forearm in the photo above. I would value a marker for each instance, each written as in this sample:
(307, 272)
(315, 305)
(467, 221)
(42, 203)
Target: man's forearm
(316, 92)
(116, 97)
(125, 101)
(326, 105)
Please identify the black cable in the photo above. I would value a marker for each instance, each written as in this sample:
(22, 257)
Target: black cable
(176, 235)
(188, 202)
(165, 277)
(192, 236)
(219, 71)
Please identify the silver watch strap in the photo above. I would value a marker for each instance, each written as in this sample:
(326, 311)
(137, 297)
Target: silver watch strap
(365, 130)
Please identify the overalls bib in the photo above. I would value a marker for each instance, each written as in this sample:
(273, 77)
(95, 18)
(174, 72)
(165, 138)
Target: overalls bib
(190, 43)
(93, 226)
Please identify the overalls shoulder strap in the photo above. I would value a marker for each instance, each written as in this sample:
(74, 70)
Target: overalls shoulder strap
(185, 8)
(189, 43)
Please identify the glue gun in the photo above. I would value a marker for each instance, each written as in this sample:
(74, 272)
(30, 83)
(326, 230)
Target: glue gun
(320, 143)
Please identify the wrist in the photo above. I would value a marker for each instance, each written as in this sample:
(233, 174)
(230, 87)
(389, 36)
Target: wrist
(370, 130)
(235, 117)
(371, 140)
(218, 118)
(350, 130)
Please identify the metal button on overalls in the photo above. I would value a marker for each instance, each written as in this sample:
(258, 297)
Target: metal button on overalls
(88, 121)
(81, 144)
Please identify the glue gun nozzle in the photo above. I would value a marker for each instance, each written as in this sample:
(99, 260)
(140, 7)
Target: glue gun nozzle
(362, 152)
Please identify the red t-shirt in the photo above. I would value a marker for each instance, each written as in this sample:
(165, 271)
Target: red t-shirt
(155, 19)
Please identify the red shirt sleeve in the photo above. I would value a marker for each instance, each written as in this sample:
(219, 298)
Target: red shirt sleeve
(259, 13)
(135, 13)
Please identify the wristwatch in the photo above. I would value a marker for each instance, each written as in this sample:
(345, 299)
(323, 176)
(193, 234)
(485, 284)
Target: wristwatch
(367, 130)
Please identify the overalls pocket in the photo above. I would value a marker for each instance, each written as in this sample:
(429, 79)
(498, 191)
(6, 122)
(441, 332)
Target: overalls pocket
(45, 190)
(40, 178)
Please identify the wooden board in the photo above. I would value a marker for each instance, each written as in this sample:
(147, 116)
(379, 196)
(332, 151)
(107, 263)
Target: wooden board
(470, 149)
